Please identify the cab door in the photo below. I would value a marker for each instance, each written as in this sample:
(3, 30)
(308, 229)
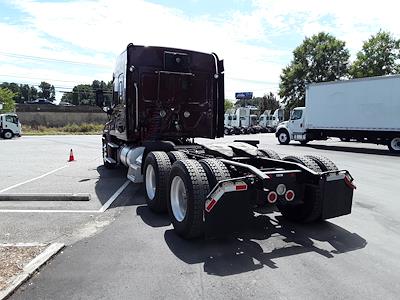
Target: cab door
(11, 123)
(296, 122)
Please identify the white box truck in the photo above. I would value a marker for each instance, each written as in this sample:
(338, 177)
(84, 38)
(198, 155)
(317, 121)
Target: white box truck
(366, 109)
(9, 126)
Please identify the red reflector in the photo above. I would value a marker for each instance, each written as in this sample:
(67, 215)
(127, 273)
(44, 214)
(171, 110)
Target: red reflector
(289, 196)
(272, 197)
(211, 205)
(292, 174)
(241, 187)
(349, 183)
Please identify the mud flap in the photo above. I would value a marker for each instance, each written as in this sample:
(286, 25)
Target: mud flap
(231, 214)
(337, 195)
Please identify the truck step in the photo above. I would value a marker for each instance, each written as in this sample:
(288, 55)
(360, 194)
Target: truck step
(110, 160)
(112, 145)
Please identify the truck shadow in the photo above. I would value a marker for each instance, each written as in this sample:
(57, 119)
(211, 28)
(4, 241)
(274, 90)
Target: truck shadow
(269, 240)
(352, 149)
(109, 181)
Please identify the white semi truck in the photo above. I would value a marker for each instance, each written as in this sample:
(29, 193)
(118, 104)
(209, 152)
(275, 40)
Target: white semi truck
(366, 109)
(243, 120)
(269, 121)
(9, 126)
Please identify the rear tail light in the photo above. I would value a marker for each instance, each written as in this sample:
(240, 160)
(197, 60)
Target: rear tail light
(272, 197)
(289, 195)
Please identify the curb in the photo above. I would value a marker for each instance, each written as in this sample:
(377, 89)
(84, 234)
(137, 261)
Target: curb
(45, 197)
(30, 268)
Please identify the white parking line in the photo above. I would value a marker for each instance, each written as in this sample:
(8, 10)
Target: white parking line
(33, 179)
(113, 197)
(101, 210)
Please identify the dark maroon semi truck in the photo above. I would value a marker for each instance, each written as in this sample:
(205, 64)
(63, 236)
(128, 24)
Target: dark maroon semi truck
(162, 99)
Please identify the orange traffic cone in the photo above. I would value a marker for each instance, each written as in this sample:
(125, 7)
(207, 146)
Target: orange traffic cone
(71, 156)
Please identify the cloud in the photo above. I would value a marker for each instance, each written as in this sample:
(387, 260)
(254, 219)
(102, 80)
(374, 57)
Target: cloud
(255, 45)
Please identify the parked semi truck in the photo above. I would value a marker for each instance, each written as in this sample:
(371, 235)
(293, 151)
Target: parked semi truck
(242, 121)
(269, 121)
(163, 98)
(9, 126)
(366, 109)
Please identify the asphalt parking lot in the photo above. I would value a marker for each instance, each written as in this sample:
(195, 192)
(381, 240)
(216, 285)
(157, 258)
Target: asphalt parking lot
(128, 252)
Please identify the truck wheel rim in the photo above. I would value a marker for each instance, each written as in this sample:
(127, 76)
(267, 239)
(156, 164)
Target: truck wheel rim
(178, 198)
(150, 182)
(282, 137)
(7, 135)
(395, 143)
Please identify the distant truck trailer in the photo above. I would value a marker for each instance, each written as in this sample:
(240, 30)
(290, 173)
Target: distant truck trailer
(366, 109)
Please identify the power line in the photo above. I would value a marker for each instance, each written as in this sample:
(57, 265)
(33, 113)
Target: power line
(39, 58)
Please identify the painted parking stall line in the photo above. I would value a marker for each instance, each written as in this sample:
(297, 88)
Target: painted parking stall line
(101, 210)
(33, 179)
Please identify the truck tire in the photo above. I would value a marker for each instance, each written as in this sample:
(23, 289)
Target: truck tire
(8, 134)
(176, 155)
(107, 164)
(227, 131)
(283, 137)
(269, 153)
(157, 167)
(324, 163)
(305, 161)
(310, 209)
(215, 171)
(394, 145)
(188, 189)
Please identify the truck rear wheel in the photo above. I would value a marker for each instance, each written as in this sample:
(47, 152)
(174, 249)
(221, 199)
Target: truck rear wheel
(324, 163)
(188, 189)
(269, 153)
(156, 172)
(8, 134)
(305, 161)
(394, 145)
(283, 137)
(215, 171)
(310, 208)
(176, 155)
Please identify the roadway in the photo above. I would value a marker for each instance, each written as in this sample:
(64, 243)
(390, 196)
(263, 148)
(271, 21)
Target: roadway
(127, 252)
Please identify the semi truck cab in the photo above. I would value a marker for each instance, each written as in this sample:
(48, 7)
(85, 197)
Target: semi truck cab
(9, 126)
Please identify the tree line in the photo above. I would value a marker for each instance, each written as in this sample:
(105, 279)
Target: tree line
(24, 92)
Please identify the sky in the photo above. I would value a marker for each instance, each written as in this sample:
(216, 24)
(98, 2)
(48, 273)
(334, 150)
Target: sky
(72, 42)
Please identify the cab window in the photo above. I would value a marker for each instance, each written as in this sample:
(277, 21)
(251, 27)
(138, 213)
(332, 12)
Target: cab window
(12, 119)
(296, 114)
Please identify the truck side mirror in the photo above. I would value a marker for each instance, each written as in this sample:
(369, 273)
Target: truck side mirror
(100, 98)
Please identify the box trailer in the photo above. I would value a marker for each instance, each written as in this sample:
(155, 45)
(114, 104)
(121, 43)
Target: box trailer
(163, 98)
(366, 109)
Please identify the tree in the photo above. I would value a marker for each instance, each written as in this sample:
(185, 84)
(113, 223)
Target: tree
(7, 98)
(13, 87)
(47, 91)
(319, 58)
(378, 56)
(27, 93)
(84, 94)
(268, 102)
(228, 104)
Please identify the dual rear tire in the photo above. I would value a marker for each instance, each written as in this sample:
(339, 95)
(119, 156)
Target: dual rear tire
(180, 186)
(310, 208)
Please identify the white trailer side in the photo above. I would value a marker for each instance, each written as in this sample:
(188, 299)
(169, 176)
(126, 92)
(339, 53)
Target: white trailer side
(371, 104)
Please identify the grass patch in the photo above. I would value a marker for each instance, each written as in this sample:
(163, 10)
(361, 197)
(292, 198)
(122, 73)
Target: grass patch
(85, 128)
